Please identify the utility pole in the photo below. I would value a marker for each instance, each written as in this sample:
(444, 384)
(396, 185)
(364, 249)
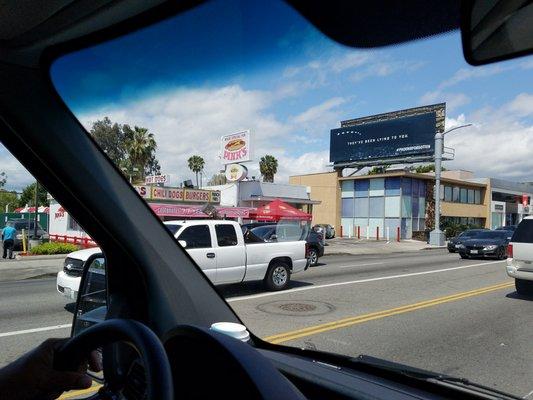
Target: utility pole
(436, 236)
(36, 210)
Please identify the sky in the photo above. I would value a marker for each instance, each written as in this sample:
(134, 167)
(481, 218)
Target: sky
(227, 66)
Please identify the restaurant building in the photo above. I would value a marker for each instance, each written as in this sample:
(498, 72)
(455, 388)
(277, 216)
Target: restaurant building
(403, 201)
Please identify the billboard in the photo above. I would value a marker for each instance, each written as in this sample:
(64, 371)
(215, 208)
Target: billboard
(412, 135)
(155, 179)
(236, 148)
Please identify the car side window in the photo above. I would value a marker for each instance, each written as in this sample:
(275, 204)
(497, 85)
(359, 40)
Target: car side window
(226, 235)
(196, 236)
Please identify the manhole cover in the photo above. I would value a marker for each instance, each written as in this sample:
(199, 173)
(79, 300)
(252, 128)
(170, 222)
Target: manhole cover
(297, 307)
(301, 308)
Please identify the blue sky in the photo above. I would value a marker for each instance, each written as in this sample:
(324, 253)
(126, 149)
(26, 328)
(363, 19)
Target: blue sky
(227, 66)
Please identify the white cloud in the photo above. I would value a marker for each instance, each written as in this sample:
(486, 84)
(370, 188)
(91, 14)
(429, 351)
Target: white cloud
(191, 121)
(522, 105)
(17, 176)
(497, 145)
(452, 100)
(465, 74)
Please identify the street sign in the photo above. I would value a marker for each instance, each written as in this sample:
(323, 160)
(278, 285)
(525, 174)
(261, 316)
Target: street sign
(155, 179)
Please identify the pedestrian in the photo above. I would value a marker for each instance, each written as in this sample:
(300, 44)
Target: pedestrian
(8, 240)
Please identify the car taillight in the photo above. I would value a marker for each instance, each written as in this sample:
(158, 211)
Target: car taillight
(510, 251)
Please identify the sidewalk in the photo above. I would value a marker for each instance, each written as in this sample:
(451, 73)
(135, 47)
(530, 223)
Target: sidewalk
(30, 267)
(363, 246)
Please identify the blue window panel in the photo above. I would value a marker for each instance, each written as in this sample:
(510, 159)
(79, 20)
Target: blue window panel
(393, 224)
(414, 193)
(377, 187)
(373, 224)
(406, 186)
(361, 188)
(347, 227)
(392, 186)
(347, 189)
(347, 208)
(406, 207)
(422, 188)
(361, 207)
(392, 206)
(407, 231)
(414, 206)
(422, 207)
(376, 207)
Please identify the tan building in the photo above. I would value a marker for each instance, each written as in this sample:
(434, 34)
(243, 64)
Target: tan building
(403, 201)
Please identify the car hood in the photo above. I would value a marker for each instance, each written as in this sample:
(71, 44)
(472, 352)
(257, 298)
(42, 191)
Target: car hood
(84, 254)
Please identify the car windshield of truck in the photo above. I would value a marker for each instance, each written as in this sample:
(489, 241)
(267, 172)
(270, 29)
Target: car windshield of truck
(243, 112)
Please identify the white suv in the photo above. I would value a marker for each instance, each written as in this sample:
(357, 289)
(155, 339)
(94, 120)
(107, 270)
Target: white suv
(520, 256)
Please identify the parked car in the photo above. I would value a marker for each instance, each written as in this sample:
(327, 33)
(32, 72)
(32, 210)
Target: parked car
(68, 279)
(486, 244)
(520, 257)
(272, 232)
(19, 224)
(459, 239)
(219, 249)
(328, 229)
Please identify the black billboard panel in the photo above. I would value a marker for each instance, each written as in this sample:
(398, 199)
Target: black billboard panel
(398, 137)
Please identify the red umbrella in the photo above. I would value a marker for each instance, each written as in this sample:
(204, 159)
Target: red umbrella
(277, 210)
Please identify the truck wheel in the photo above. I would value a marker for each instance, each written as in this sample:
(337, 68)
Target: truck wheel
(523, 287)
(277, 276)
(313, 256)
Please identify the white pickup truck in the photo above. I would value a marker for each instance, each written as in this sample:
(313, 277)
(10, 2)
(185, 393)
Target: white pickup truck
(219, 249)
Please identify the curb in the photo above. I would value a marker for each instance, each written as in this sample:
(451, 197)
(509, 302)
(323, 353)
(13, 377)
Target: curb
(40, 257)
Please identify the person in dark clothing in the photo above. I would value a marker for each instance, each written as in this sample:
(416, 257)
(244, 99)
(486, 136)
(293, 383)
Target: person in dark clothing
(8, 240)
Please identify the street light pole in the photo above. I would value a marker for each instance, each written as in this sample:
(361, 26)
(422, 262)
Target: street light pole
(436, 236)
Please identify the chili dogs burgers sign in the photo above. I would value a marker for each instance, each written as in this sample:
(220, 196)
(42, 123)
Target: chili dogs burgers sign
(236, 148)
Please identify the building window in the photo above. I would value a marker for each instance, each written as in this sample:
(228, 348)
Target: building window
(406, 186)
(361, 188)
(441, 193)
(374, 224)
(392, 186)
(392, 206)
(377, 207)
(470, 196)
(455, 194)
(347, 207)
(362, 223)
(361, 207)
(347, 189)
(72, 225)
(377, 187)
(414, 206)
(406, 206)
(422, 207)
(463, 198)
(447, 193)
(477, 196)
(422, 189)
(347, 227)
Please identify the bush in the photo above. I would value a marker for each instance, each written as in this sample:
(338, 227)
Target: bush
(54, 248)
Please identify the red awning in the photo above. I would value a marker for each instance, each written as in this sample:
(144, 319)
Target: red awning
(187, 211)
(277, 210)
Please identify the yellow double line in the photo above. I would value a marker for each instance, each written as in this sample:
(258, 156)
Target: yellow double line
(342, 323)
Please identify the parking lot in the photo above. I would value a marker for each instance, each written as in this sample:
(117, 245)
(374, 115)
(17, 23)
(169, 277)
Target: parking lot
(415, 308)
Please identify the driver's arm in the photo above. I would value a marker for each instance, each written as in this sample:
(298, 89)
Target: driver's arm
(32, 376)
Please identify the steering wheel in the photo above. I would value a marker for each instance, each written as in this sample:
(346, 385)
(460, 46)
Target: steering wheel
(159, 383)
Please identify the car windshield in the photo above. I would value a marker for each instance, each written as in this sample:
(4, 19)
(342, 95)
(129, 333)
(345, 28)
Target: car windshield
(240, 112)
(492, 235)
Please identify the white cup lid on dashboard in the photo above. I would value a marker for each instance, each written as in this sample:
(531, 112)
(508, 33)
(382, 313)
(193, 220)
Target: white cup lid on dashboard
(236, 331)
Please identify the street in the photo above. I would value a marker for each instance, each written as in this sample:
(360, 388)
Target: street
(428, 309)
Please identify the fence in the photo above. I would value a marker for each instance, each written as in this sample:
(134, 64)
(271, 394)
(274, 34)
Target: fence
(84, 242)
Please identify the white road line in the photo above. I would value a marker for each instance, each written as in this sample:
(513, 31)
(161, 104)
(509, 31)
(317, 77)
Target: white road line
(381, 278)
(361, 265)
(34, 330)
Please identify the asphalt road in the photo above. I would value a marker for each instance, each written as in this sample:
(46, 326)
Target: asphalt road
(428, 309)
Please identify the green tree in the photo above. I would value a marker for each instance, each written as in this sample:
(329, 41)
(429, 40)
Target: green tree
(128, 147)
(378, 170)
(140, 148)
(268, 166)
(422, 169)
(28, 196)
(8, 199)
(217, 179)
(196, 165)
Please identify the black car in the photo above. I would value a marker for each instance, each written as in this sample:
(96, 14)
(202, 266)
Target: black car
(510, 228)
(315, 240)
(459, 239)
(325, 228)
(486, 244)
(28, 225)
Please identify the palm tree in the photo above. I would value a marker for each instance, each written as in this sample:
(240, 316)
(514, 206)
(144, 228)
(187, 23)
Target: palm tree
(140, 147)
(196, 165)
(268, 166)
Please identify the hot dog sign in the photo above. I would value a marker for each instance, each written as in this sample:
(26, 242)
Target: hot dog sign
(236, 148)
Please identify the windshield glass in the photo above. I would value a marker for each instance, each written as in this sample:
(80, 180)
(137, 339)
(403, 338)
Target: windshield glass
(173, 228)
(492, 235)
(243, 113)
